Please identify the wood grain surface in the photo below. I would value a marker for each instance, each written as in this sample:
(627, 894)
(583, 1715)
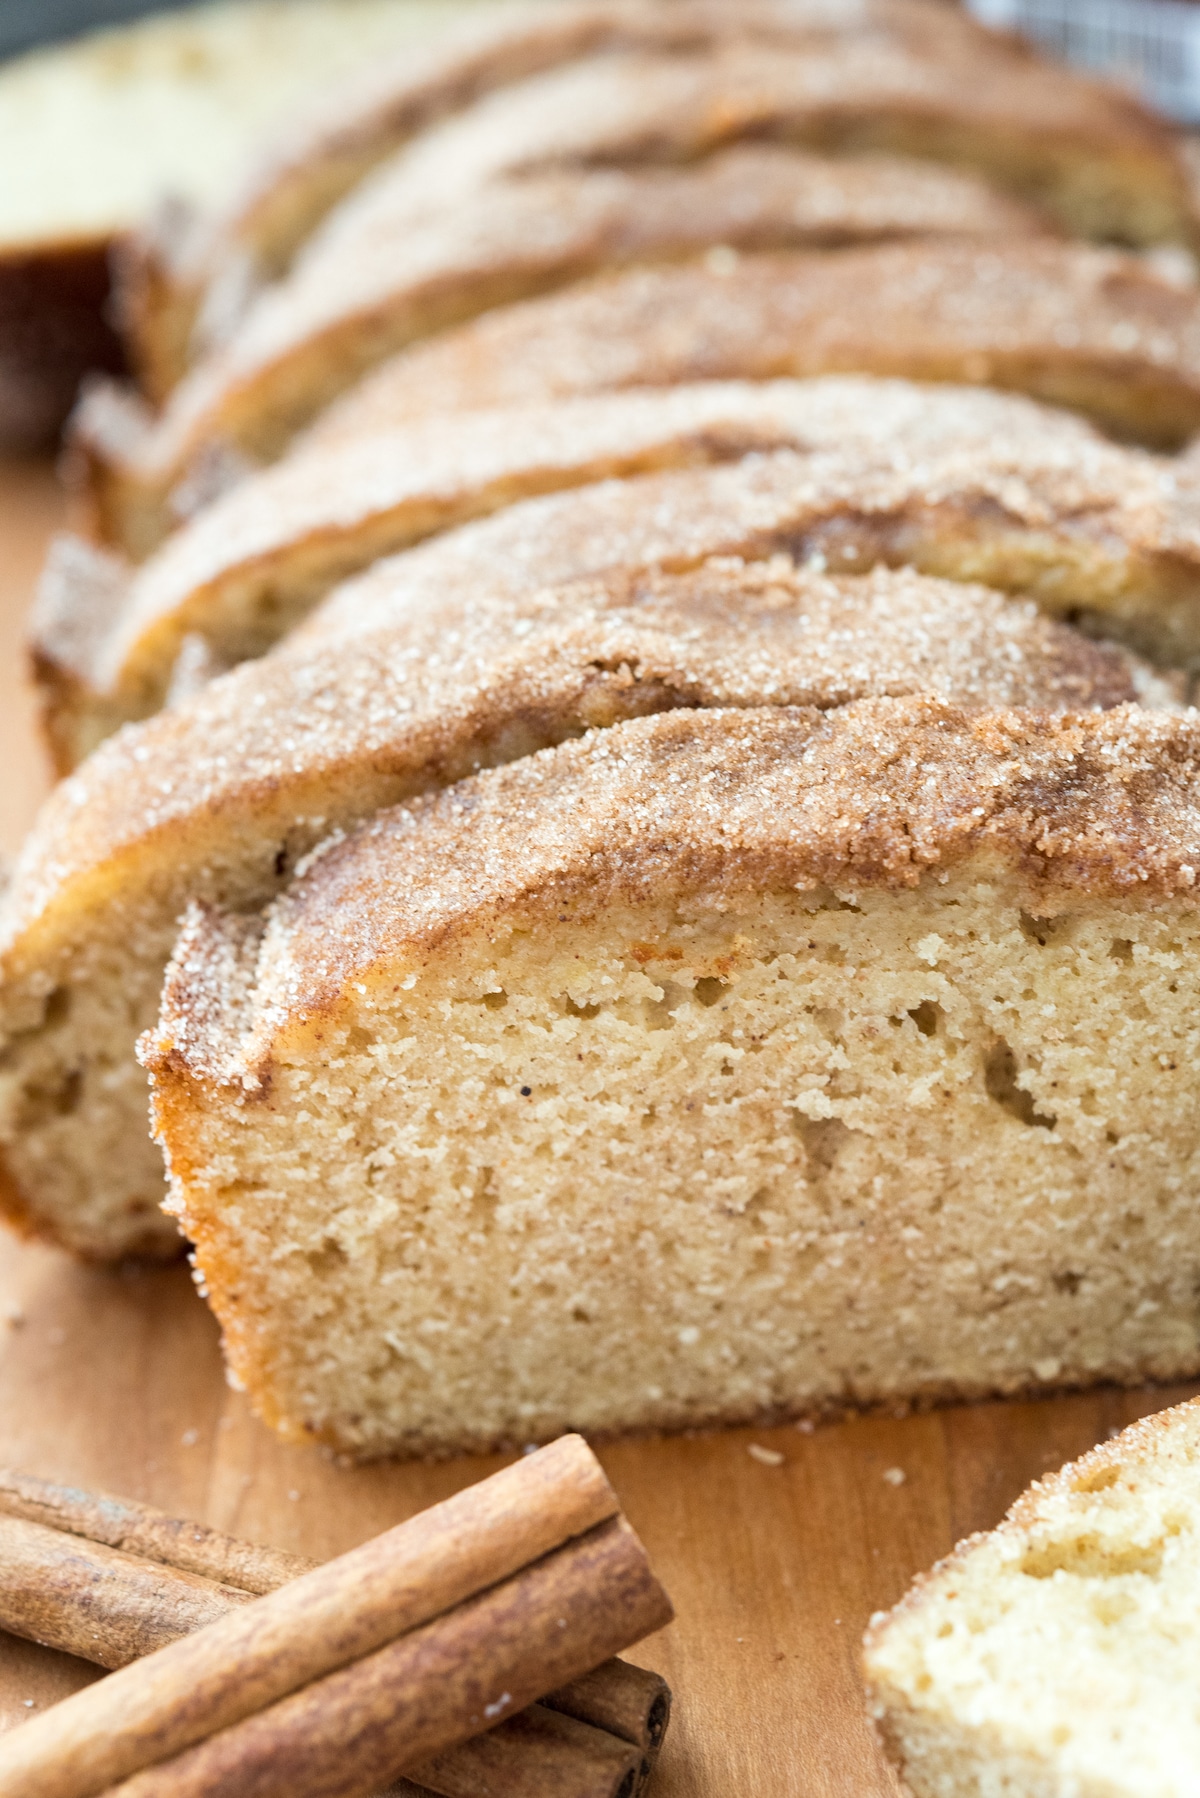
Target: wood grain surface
(115, 1380)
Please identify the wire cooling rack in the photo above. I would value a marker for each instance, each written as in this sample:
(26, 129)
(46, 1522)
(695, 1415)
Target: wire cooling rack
(1154, 45)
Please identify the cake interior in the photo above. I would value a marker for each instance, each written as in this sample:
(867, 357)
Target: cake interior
(1054, 1655)
(676, 1165)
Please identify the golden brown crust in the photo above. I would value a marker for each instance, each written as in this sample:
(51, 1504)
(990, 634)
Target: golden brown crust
(1090, 328)
(525, 235)
(322, 155)
(520, 231)
(1021, 514)
(853, 91)
(251, 771)
(876, 794)
(325, 153)
(348, 301)
(248, 567)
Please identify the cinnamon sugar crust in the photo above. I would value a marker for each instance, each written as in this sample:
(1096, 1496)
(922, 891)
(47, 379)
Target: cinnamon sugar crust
(524, 235)
(1082, 327)
(873, 795)
(960, 493)
(219, 799)
(249, 567)
(1109, 162)
(594, 1087)
(353, 297)
(727, 632)
(323, 155)
(327, 149)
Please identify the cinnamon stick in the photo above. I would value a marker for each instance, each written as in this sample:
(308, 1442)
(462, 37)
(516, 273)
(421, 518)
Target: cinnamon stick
(203, 1685)
(347, 1734)
(108, 1606)
(70, 1592)
(539, 1754)
(141, 1530)
(628, 1701)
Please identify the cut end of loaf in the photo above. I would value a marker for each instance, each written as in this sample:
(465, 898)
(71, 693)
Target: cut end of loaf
(648, 1121)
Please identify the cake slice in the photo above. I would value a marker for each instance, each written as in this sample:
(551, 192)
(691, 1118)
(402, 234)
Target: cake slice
(1095, 330)
(1083, 327)
(1107, 163)
(219, 799)
(524, 235)
(718, 1066)
(1052, 1655)
(962, 481)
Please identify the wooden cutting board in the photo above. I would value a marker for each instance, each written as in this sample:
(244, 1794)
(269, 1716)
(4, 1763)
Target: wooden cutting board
(115, 1380)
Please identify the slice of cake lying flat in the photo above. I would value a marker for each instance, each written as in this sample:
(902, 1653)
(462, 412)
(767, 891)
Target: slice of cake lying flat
(1053, 1657)
(220, 798)
(720, 1065)
(94, 134)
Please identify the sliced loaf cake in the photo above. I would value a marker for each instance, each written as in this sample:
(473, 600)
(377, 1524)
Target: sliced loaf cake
(718, 1066)
(1095, 330)
(219, 799)
(324, 149)
(894, 75)
(520, 236)
(960, 482)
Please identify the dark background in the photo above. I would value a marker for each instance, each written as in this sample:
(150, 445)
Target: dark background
(26, 22)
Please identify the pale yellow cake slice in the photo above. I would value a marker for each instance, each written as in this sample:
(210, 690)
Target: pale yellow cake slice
(1053, 1657)
(718, 1066)
(221, 797)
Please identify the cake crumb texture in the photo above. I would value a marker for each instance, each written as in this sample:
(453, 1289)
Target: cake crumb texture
(1053, 1656)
